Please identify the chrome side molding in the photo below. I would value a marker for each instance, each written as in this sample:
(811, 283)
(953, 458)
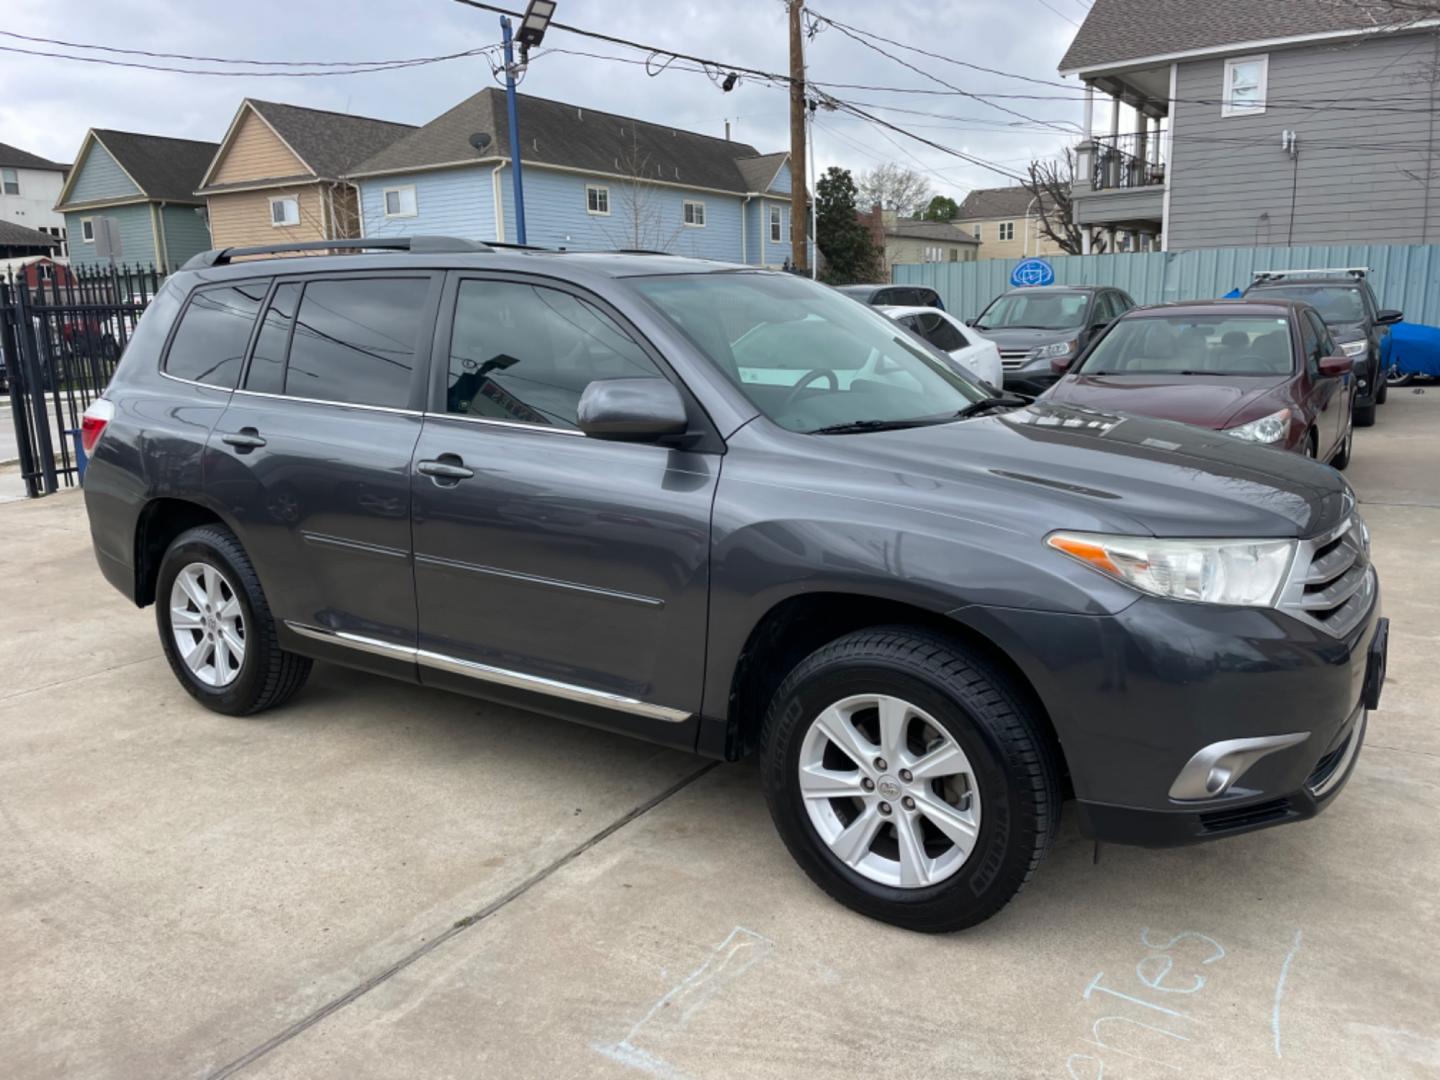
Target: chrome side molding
(486, 673)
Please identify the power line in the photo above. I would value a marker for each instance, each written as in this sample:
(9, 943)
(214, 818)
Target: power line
(1051, 7)
(359, 70)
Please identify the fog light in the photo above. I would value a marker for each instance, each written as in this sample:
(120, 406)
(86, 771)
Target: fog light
(1213, 770)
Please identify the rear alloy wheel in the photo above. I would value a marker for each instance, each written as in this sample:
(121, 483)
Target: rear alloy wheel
(216, 627)
(909, 779)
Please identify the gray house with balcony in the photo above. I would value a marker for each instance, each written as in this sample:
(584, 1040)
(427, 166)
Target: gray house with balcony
(1305, 122)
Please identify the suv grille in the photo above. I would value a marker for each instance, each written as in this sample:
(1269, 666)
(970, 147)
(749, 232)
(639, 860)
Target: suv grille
(1332, 582)
(1010, 359)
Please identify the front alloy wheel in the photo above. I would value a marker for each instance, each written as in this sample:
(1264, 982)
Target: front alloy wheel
(890, 791)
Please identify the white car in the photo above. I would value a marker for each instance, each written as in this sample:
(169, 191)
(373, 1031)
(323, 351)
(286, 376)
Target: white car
(977, 355)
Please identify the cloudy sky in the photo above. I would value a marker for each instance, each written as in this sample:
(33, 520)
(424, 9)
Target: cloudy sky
(46, 103)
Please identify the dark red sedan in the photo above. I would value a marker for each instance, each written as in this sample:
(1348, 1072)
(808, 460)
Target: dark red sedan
(1266, 371)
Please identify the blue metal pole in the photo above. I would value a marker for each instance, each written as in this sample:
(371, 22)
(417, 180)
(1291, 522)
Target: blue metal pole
(514, 131)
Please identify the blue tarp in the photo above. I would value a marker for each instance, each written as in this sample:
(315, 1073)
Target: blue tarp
(1412, 349)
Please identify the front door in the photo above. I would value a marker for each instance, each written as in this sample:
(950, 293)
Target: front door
(549, 565)
(312, 457)
(1332, 395)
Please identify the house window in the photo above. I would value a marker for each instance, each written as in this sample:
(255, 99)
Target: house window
(11, 179)
(400, 201)
(87, 230)
(1245, 78)
(1007, 230)
(976, 231)
(284, 210)
(775, 224)
(954, 254)
(45, 271)
(694, 213)
(597, 199)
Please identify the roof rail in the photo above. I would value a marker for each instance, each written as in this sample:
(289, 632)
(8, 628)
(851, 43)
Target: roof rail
(427, 245)
(1326, 271)
(637, 251)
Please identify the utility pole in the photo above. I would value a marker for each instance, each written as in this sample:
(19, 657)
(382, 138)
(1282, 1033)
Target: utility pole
(799, 215)
(514, 118)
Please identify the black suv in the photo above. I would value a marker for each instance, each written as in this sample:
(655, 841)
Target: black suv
(1356, 320)
(732, 511)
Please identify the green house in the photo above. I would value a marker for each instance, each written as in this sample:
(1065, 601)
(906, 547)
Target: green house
(144, 185)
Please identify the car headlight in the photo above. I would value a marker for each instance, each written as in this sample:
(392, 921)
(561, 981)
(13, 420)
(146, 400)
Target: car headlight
(1268, 429)
(1049, 352)
(1354, 348)
(1249, 573)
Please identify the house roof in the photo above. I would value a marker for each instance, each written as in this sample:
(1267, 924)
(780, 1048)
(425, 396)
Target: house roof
(984, 204)
(930, 230)
(1120, 31)
(759, 172)
(163, 168)
(12, 235)
(12, 157)
(331, 143)
(570, 136)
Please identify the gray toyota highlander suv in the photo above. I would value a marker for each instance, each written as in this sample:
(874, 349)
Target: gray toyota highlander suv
(732, 511)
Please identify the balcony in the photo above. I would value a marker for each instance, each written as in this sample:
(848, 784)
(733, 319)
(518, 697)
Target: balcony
(1119, 162)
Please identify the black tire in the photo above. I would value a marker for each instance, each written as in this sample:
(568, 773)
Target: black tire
(1342, 456)
(1365, 415)
(268, 675)
(1382, 392)
(1015, 771)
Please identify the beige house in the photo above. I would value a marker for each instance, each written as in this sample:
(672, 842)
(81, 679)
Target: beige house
(276, 178)
(1006, 221)
(907, 240)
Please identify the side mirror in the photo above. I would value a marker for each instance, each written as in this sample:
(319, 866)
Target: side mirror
(1335, 366)
(1389, 316)
(1061, 364)
(969, 322)
(632, 410)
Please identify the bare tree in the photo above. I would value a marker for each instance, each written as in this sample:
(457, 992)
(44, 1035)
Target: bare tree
(1049, 183)
(641, 216)
(894, 187)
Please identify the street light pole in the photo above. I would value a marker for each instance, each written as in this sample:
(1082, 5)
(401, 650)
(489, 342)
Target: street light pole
(518, 183)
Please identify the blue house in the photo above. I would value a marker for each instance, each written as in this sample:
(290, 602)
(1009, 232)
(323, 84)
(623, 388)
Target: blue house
(593, 181)
(145, 184)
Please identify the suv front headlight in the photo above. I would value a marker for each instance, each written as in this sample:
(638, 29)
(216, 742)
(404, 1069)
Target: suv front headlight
(1249, 573)
(1049, 352)
(1268, 429)
(1354, 348)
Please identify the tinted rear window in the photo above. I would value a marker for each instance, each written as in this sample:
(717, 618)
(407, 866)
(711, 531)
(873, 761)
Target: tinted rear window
(209, 345)
(267, 363)
(355, 340)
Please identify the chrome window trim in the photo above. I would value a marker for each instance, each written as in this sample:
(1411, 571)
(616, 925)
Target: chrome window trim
(549, 429)
(336, 404)
(192, 382)
(486, 673)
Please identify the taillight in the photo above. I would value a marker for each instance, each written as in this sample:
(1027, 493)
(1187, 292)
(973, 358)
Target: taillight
(92, 424)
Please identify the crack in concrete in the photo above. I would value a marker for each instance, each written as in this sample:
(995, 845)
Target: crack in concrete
(458, 927)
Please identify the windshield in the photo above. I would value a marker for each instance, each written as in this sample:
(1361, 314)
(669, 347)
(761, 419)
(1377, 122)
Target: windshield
(1336, 303)
(1190, 345)
(807, 357)
(1035, 311)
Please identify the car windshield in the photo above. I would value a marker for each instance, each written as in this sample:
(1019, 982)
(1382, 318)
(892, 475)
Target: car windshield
(807, 357)
(1336, 303)
(1193, 345)
(1035, 311)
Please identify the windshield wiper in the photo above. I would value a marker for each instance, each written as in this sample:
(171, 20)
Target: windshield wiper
(851, 426)
(987, 403)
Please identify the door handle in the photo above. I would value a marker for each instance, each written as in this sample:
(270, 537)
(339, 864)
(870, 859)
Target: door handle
(446, 467)
(244, 439)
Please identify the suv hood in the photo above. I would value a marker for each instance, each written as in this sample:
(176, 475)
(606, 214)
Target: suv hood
(1018, 338)
(1203, 400)
(1052, 466)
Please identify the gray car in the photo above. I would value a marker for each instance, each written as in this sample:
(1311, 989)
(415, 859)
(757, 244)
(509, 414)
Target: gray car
(1035, 326)
(733, 512)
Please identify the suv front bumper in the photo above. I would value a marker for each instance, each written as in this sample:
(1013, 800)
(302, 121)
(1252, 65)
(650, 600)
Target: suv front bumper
(1135, 696)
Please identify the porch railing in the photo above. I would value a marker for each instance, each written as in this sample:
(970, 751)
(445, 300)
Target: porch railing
(1125, 161)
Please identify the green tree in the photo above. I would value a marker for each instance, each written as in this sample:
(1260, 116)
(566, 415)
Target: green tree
(941, 208)
(850, 253)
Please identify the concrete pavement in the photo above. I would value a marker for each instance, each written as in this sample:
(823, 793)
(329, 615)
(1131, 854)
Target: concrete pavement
(378, 881)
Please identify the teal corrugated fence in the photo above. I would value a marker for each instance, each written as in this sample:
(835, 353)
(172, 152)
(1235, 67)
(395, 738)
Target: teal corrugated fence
(1403, 276)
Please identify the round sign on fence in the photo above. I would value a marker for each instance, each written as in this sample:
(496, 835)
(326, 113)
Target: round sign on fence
(1032, 272)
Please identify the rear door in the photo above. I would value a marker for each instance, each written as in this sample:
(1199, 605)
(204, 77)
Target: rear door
(312, 457)
(549, 565)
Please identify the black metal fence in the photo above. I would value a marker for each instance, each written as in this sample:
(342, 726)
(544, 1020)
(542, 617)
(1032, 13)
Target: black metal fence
(62, 330)
(1125, 161)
